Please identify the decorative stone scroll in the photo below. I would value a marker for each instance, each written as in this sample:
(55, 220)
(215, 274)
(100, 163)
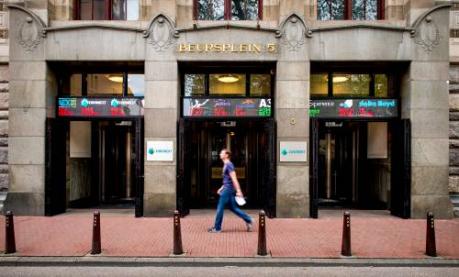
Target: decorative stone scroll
(427, 34)
(425, 31)
(293, 32)
(161, 33)
(31, 29)
(30, 34)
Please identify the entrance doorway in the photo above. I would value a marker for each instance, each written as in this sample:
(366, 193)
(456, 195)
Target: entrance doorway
(96, 163)
(252, 146)
(116, 163)
(360, 164)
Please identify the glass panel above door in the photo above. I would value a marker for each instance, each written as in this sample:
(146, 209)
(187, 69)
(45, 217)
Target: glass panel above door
(227, 84)
(351, 85)
(319, 85)
(260, 85)
(195, 84)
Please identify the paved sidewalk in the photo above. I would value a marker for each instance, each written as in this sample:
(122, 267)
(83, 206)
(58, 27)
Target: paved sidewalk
(373, 236)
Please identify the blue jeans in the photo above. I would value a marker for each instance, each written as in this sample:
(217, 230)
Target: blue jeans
(227, 198)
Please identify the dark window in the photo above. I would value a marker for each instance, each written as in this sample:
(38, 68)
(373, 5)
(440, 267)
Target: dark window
(107, 84)
(232, 84)
(228, 9)
(351, 85)
(350, 9)
(107, 9)
(330, 9)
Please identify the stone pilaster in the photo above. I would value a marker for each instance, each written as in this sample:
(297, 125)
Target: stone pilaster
(426, 104)
(291, 112)
(161, 110)
(30, 90)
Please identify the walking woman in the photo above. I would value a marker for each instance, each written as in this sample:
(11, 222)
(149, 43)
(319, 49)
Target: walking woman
(227, 191)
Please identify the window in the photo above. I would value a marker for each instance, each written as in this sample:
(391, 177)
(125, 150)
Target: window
(227, 84)
(350, 9)
(351, 85)
(228, 9)
(319, 85)
(260, 85)
(107, 84)
(195, 84)
(107, 10)
(136, 85)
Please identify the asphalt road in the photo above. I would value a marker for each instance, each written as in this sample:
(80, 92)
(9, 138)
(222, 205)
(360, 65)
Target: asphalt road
(110, 271)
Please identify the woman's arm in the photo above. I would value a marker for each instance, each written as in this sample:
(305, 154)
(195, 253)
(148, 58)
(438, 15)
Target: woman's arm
(236, 185)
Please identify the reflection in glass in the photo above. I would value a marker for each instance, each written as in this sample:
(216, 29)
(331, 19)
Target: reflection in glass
(319, 85)
(105, 84)
(136, 85)
(364, 9)
(381, 85)
(75, 85)
(330, 9)
(244, 9)
(195, 84)
(132, 9)
(227, 84)
(85, 9)
(99, 10)
(260, 85)
(119, 9)
(351, 85)
(211, 9)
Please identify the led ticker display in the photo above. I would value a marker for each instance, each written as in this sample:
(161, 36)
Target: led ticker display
(227, 107)
(353, 108)
(80, 107)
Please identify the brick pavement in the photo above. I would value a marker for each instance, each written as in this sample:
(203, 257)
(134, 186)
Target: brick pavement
(373, 236)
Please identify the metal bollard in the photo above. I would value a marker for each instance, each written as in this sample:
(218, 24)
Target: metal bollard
(96, 239)
(346, 241)
(178, 248)
(262, 251)
(10, 241)
(431, 249)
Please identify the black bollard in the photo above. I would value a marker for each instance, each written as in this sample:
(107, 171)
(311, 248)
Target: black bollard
(346, 242)
(96, 239)
(262, 234)
(10, 241)
(178, 248)
(431, 249)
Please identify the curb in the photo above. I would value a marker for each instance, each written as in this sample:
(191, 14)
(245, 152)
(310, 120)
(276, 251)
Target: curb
(219, 262)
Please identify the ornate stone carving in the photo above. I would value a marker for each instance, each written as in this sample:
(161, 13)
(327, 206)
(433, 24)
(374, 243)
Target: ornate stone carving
(427, 34)
(161, 33)
(293, 33)
(30, 34)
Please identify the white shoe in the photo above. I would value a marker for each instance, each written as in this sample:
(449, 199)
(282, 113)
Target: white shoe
(249, 226)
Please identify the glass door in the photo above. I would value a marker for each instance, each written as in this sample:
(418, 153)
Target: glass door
(235, 140)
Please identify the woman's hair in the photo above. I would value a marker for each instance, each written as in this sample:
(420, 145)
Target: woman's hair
(227, 152)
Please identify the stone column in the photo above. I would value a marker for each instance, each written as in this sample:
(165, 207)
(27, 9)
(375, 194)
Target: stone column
(161, 113)
(27, 114)
(291, 112)
(425, 102)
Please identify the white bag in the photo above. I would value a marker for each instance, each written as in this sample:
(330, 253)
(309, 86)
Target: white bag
(240, 200)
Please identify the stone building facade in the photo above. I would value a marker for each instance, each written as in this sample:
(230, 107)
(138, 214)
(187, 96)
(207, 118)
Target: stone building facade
(167, 41)
(453, 104)
(4, 77)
